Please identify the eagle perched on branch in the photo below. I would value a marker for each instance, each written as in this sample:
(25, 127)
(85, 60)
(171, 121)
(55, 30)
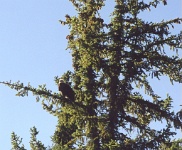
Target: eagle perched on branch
(66, 90)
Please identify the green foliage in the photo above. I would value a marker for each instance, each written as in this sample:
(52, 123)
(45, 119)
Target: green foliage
(110, 61)
(176, 145)
(16, 142)
(34, 143)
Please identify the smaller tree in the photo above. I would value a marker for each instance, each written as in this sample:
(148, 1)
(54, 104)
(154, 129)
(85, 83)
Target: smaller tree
(35, 144)
(16, 142)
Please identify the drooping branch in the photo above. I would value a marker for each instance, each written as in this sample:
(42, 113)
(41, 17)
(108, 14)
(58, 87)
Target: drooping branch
(50, 101)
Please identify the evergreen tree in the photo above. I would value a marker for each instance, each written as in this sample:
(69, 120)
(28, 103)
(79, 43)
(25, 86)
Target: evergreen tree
(111, 60)
(176, 145)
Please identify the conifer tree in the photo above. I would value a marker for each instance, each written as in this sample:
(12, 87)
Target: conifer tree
(110, 61)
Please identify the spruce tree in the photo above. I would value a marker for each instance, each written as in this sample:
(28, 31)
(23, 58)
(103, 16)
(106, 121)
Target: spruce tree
(110, 61)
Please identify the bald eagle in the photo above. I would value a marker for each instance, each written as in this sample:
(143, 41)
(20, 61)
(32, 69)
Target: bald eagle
(66, 90)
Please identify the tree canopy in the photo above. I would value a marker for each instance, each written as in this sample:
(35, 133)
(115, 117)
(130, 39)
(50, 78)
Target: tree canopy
(110, 61)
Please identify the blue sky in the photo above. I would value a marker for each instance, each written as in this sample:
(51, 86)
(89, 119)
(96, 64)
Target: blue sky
(32, 49)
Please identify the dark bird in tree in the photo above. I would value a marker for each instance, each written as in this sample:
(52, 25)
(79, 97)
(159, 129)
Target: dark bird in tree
(66, 90)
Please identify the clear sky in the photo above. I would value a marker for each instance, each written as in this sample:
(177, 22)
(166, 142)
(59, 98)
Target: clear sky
(32, 49)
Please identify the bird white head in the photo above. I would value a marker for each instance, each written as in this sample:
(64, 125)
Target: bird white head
(61, 81)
